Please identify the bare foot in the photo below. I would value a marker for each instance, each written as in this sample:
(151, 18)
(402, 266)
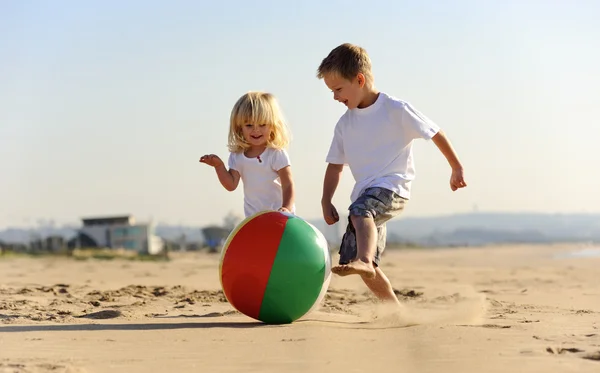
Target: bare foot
(356, 267)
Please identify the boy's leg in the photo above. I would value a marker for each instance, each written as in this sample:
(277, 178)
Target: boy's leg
(378, 283)
(380, 286)
(364, 240)
(359, 247)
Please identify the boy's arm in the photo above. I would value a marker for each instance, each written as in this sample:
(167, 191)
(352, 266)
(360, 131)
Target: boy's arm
(331, 180)
(287, 186)
(457, 178)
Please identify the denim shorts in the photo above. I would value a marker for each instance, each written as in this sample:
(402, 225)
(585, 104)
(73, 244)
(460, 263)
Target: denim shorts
(378, 203)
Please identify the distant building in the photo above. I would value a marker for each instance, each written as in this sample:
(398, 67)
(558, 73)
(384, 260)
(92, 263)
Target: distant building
(118, 232)
(215, 237)
(52, 244)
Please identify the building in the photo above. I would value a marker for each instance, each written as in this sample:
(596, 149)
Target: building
(118, 232)
(50, 244)
(214, 237)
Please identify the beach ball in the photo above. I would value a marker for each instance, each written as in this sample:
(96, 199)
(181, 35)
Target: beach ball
(275, 267)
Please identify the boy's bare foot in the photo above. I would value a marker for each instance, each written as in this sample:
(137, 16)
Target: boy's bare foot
(356, 267)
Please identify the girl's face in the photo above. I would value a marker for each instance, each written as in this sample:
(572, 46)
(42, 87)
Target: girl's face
(256, 134)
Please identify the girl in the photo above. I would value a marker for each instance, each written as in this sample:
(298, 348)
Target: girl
(258, 138)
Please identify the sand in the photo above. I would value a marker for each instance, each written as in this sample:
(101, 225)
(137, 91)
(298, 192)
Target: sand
(495, 309)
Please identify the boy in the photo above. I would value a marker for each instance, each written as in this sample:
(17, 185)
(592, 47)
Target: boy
(374, 138)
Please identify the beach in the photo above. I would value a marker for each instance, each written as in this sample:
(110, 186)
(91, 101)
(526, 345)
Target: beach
(520, 308)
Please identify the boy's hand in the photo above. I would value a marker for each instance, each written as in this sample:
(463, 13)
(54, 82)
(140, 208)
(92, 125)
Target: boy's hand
(457, 179)
(330, 213)
(212, 160)
(284, 209)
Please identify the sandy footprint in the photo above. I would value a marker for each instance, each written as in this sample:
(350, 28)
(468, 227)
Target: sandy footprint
(593, 355)
(8, 366)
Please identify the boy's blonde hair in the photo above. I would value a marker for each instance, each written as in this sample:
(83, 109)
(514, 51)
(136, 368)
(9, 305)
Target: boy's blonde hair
(347, 60)
(257, 108)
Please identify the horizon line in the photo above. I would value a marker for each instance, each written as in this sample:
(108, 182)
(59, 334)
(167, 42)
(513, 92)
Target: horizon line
(157, 223)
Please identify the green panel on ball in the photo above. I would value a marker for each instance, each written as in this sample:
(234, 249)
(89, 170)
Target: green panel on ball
(297, 275)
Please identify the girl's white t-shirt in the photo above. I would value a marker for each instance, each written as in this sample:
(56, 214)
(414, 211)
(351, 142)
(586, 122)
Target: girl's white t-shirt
(262, 187)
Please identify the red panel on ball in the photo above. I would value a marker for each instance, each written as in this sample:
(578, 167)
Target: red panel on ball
(248, 261)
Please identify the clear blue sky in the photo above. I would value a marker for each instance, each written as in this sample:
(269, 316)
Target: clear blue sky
(106, 106)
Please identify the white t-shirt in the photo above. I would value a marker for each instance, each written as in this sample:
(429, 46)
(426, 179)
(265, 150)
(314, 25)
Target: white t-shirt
(262, 187)
(376, 143)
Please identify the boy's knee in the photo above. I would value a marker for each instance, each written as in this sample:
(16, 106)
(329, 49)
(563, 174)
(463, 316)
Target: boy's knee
(362, 222)
(360, 218)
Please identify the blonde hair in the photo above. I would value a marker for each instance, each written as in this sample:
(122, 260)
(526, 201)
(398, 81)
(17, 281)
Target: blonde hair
(257, 108)
(347, 60)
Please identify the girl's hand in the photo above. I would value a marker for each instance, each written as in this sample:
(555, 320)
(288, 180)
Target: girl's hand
(283, 209)
(212, 160)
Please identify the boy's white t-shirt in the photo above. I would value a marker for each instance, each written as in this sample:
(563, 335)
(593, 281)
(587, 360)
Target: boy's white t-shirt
(376, 143)
(262, 187)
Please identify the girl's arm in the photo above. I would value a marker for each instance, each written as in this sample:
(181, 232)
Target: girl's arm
(228, 178)
(287, 186)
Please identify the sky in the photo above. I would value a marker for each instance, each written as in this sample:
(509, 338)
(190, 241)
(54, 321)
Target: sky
(107, 106)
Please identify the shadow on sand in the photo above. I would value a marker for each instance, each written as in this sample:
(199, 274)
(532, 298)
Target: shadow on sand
(243, 324)
(158, 326)
(141, 326)
(109, 314)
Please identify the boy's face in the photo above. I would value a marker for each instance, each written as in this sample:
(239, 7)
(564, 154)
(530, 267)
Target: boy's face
(348, 92)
